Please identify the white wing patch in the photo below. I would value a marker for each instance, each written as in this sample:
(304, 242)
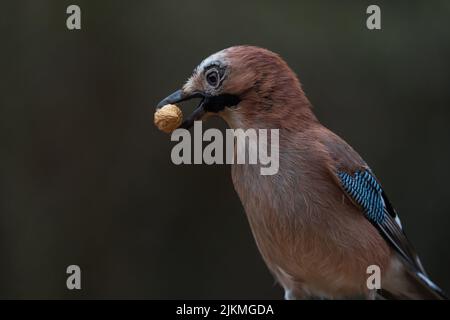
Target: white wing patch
(397, 219)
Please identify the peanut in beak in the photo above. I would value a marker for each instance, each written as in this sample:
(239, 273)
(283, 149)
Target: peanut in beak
(168, 118)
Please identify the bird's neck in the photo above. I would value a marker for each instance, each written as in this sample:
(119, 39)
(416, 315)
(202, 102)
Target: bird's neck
(291, 112)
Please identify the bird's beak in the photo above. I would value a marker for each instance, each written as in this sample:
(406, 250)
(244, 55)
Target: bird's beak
(179, 96)
(207, 104)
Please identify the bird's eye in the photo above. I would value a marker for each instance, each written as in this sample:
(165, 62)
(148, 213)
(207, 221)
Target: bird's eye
(213, 78)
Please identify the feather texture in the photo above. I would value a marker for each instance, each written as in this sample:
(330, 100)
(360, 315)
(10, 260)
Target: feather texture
(363, 188)
(324, 217)
(366, 192)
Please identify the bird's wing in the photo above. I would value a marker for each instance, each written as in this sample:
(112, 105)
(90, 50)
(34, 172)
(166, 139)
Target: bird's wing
(361, 186)
(364, 190)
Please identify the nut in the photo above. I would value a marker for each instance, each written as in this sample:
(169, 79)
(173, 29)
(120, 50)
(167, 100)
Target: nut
(168, 118)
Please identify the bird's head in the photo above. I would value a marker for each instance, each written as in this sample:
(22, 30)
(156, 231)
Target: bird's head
(248, 86)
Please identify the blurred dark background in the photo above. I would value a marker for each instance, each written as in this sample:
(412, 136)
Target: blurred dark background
(87, 179)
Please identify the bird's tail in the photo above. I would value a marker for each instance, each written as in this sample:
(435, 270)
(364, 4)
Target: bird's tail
(413, 284)
(423, 288)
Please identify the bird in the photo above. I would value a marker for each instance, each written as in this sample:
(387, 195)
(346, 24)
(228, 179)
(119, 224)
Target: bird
(324, 217)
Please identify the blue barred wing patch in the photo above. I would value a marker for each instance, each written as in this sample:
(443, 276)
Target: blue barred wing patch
(366, 192)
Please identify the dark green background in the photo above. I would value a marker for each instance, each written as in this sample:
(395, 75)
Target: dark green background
(87, 179)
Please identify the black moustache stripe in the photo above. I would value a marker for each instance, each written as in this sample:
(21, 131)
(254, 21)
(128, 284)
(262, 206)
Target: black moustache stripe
(218, 103)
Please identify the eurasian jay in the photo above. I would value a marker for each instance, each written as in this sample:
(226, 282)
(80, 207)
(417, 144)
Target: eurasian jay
(323, 219)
